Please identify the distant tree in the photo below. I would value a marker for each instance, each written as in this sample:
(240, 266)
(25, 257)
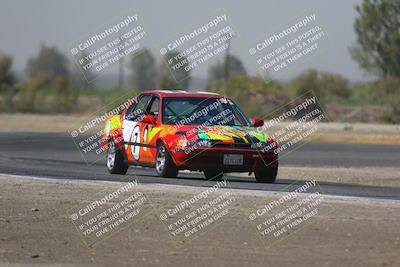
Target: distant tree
(144, 72)
(78, 75)
(7, 83)
(378, 37)
(217, 71)
(308, 80)
(65, 95)
(29, 93)
(393, 113)
(387, 86)
(323, 84)
(49, 62)
(335, 84)
(254, 95)
(7, 78)
(173, 76)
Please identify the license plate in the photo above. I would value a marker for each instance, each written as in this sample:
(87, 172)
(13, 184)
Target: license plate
(233, 159)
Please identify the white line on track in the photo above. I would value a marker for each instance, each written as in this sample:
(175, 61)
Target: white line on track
(169, 186)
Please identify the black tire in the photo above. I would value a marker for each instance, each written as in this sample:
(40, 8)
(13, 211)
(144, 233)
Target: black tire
(165, 166)
(213, 175)
(115, 160)
(268, 174)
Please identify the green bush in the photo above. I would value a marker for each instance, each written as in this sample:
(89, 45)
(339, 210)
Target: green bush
(393, 113)
(254, 95)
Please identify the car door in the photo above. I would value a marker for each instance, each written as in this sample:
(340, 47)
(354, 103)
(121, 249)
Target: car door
(131, 127)
(147, 147)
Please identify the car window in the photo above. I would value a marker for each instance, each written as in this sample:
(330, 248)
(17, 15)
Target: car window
(190, 110)
(154, 107)
(130, 109)
(139, 108)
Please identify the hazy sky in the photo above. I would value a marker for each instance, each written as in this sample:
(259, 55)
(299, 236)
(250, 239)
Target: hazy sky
(26, 24)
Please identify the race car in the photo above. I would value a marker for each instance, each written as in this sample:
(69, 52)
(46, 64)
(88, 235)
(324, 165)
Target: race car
(179, 130)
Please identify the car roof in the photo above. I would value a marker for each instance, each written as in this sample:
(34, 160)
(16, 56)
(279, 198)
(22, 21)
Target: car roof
(183, 93)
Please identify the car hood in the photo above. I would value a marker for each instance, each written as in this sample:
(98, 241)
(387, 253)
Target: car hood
(225, 134)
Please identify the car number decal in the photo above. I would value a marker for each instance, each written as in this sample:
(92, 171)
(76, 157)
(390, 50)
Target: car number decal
(135, 139)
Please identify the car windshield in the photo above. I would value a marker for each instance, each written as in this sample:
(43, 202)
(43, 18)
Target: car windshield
(198, 110)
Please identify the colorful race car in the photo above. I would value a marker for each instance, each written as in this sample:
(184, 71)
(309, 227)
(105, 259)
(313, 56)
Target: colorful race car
(179, 130)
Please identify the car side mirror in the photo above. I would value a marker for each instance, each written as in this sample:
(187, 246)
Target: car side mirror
(149, 119)
(256, 122)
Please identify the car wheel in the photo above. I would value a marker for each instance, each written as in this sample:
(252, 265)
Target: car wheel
(213, 174)
(267, 175)
(165, 166)
(115, 160)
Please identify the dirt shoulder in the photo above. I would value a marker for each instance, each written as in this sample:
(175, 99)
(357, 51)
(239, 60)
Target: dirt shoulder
(36, 229)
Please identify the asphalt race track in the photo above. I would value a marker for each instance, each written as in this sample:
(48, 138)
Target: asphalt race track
(55, 155)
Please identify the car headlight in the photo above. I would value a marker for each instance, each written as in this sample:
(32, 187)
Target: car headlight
(181, 143)
(192, 143)
(185, 143)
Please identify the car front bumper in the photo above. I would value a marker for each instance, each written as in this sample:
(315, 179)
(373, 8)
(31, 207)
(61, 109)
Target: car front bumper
(213, 159)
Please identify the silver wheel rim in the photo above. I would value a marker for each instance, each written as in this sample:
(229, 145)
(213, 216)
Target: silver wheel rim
(111, 155)
(160, 159)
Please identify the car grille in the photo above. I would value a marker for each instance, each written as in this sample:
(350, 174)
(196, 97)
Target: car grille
(215, 143)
